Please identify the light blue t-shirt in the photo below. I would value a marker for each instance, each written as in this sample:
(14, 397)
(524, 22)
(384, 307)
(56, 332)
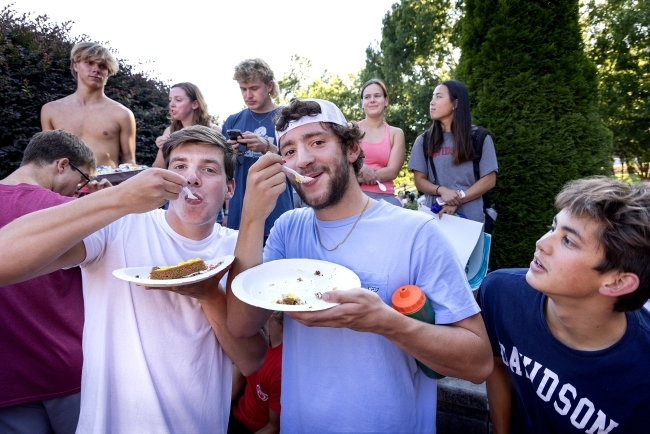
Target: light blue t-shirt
(343, 381)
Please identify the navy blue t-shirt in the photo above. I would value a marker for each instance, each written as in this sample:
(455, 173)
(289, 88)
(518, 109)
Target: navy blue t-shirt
(262, 125)
(556, 388)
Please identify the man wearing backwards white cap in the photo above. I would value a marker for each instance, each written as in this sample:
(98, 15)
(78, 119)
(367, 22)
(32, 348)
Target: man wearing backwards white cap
(335, 377)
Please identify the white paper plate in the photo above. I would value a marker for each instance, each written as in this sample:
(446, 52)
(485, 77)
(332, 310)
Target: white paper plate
(264, 284)
(140, 275)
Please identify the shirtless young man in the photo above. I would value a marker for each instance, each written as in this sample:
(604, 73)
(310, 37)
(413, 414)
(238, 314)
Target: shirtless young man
(105, 126)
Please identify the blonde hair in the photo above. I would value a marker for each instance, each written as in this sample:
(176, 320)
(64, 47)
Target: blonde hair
(250, 69)
(90, 50)
(200, 116)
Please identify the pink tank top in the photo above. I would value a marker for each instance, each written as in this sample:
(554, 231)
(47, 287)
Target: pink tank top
(377, 155)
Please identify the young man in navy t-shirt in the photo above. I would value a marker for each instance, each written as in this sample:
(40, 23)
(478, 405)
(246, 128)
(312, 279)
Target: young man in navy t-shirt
(570, 338)
(258, 88)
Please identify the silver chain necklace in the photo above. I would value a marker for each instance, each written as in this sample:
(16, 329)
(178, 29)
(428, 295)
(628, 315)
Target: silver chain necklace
(346, 237)
(265, 117)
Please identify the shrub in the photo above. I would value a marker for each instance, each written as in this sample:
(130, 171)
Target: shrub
(35, 69)
(532, 85)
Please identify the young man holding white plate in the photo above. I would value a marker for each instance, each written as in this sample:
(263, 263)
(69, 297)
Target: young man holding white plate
(351, 368)
(151, 360)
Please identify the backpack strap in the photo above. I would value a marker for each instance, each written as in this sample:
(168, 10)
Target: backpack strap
(478, 138)
(427, 158)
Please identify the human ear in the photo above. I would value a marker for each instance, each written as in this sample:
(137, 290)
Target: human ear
(62, 164)
(353, 152)
(620, 284)
(230, 189)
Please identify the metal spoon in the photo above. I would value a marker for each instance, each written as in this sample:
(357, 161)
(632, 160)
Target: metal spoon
(189, 193)
(382, 187)
(299, 178)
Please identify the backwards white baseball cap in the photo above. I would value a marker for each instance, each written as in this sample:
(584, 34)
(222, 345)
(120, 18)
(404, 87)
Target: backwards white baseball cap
(329, 113)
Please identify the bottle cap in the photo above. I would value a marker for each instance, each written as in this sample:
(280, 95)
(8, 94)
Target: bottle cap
(408, 299)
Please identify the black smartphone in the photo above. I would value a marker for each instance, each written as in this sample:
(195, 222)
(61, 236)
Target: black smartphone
(234, 134)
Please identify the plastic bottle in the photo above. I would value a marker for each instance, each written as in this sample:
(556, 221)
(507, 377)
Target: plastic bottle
(411, 301)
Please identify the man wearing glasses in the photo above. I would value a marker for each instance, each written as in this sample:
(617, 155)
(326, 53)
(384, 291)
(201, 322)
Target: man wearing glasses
(154, 361)
(255, 123)
(42, 319)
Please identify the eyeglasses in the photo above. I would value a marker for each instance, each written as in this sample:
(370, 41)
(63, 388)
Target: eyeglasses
(80, 186)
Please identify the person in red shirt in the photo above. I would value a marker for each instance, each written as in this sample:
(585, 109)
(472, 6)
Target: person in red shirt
(258, 409)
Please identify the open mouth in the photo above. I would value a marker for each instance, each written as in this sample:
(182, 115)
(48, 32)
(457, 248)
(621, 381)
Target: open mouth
(312, 181)
(538, 263)
(198, 199)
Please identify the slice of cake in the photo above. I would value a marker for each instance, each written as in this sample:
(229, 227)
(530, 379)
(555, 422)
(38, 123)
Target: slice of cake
(177, 271)
(290, 299)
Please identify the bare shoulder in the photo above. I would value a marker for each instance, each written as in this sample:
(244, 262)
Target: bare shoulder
(120, 111)
(53, 112)
(57, 104)
(396, 131)
(396, 135)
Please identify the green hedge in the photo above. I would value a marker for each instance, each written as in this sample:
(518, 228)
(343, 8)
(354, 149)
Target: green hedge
(35, 69)
(532, 85)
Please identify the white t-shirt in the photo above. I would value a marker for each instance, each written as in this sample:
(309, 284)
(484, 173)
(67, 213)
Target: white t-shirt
(338, 380)
(152, 363)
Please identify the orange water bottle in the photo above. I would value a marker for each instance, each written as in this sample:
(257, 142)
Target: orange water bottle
(411, 301)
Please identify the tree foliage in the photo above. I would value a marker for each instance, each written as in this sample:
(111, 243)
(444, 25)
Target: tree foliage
(618, 36)
(344, 92)
(35, 69)
(532, 85)
(416, 52)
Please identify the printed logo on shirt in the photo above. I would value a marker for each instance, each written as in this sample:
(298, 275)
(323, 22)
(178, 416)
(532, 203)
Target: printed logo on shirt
(565, 398)
(373, 288)
(261, 395)
(260, 131)
(447, 150)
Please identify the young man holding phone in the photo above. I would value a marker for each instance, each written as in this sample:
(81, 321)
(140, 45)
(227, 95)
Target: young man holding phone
(252, 134)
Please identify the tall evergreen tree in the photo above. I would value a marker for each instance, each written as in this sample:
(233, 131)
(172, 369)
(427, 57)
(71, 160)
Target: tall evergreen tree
(532, 85)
